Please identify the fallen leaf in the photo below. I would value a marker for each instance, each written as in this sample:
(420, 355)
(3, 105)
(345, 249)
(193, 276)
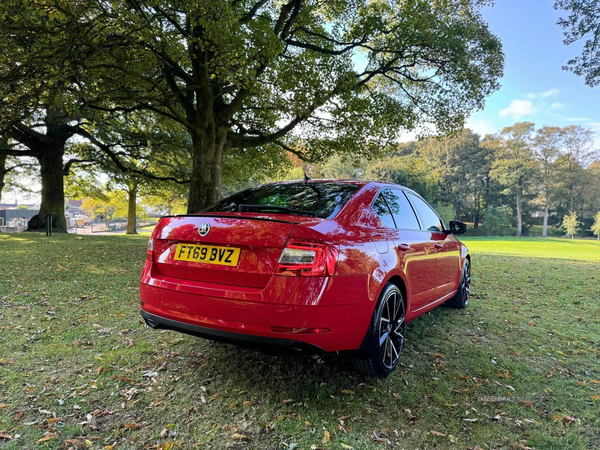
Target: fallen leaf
(289, 400)
(47, 436)
(347, 392)
(595, 397)
(326, 437)
(437, 433)
(568, 420)
(247, 403)
(132, 426)
(5, 435)
(164, 433)
(239, 437)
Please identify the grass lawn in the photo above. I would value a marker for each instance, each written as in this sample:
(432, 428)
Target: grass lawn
(520, 368)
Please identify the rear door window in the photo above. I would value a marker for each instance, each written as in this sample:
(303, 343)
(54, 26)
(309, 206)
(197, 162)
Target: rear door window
(383, 211)
(429, 218)
(404, 216)
(322, 200)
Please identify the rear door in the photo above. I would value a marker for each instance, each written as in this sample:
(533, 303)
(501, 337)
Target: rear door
(447, 248)
(238, 251)
(416, 252)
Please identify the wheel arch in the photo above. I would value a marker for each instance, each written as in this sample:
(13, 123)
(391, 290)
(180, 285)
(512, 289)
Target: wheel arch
(398, 281)
(366, 346)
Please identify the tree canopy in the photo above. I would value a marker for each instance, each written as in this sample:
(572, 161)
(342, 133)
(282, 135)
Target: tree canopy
(583, 22)
(309, 77)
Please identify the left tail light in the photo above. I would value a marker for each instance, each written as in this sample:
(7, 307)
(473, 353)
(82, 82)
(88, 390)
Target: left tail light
(150, 250)
(308, 258)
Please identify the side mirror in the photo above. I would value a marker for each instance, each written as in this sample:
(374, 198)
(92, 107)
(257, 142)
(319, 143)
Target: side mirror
(457, 227)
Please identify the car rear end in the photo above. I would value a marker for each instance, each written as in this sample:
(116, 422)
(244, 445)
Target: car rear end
(244, 273)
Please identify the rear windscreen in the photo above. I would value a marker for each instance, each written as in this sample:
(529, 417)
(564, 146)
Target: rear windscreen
(323, 200)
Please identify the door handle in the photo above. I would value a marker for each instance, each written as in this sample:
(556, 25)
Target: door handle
(404, 247)
(438, 245)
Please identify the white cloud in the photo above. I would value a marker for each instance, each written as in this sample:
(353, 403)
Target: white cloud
(558, 105)
(549, 93)
(579, 119)
(482, 127)
(518, 109)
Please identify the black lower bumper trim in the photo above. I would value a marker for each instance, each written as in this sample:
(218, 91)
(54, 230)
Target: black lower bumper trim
(270, 345)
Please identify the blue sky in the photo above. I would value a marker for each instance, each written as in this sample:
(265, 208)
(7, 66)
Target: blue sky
(535, 87)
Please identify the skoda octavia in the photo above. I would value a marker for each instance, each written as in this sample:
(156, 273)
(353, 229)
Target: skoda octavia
(306, 266)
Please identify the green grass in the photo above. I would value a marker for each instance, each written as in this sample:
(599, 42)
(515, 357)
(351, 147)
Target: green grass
(574, 249)
(519, 368)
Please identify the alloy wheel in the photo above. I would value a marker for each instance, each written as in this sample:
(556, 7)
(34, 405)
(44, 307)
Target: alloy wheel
(466, 286)
(391, 328)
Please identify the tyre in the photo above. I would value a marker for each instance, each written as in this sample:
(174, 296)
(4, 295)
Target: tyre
(461, 299)
(387, 334)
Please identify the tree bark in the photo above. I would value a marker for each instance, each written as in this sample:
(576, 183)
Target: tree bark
(545, 230)
(477, 213)
(53, 191)
(132, 209)
(205, 182)
(519, 215)
(2, 174)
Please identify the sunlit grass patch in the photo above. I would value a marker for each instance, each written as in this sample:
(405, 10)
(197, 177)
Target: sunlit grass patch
(575, 249)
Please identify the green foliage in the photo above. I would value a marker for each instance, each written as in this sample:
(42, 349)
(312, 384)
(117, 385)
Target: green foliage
(571, 224)
(410, 171)
(445, 212)
(582, 23)
(496, 221)
(244, 74)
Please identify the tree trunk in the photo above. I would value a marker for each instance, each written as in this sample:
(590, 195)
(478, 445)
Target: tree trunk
(519, 216)
(2, 174)
(545, 230)
(477, 213)
(53, 191)
(205, 182)
(132, 210)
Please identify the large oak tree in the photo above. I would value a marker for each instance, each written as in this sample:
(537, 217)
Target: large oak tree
(311, 77)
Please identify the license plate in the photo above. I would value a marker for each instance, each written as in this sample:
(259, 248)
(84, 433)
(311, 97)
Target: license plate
(207, 254)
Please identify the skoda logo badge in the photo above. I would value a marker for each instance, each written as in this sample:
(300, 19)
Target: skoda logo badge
(204, 229)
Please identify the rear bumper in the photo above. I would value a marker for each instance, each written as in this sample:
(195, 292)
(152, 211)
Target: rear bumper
(260, 342)
(340, 304)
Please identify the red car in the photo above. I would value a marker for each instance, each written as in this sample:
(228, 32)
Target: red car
(307, 266)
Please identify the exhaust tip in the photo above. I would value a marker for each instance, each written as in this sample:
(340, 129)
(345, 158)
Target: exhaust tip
(151, 323)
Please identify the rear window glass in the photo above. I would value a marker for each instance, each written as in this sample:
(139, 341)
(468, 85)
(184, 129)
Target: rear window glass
(323, 200)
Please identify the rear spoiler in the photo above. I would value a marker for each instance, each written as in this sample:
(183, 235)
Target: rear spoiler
(222, 216)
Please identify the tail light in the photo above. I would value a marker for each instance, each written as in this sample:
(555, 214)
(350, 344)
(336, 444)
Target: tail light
(307, 258)
(150, 250)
